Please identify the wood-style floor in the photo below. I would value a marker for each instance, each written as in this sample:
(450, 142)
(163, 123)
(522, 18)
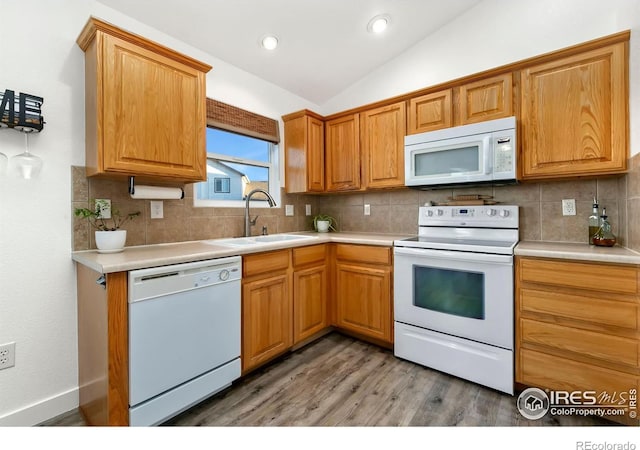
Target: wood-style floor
(340, 381)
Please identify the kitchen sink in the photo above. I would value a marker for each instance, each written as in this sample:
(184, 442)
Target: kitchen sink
(259, 240)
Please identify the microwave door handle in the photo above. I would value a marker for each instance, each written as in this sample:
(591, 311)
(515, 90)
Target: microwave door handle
(487, 154)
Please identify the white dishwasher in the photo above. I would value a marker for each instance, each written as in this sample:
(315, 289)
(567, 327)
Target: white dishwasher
(184, 336)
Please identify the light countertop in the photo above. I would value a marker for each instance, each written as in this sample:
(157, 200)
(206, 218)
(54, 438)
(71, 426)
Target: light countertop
(144, 256)
(577, 251)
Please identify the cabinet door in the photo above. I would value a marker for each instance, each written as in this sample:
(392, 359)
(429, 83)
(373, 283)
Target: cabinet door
(574, 115)
(487, 99)
(315, 155)
(363, 300)
(309, 302)
(342, 145)
(304, 153)
(383, 131)
(154, 115)
(266, 320)
(430, 112)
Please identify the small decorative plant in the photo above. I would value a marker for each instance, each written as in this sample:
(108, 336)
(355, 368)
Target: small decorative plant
(332, 223)
(100, 223)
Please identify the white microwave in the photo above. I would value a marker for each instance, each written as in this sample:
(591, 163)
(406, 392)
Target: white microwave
(479, 153)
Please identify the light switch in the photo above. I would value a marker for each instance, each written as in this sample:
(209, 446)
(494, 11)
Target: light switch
(367, 210)
(288, 210)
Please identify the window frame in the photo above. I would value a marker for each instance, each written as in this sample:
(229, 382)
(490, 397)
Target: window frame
(272, 166)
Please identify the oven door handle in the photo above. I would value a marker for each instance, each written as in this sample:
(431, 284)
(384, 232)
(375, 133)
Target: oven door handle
(449, 255)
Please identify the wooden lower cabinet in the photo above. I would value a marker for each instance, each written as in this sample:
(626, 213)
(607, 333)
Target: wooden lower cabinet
(363, 291)
(266, 319)
(284, 301)
(578, 329)
(310, 282)
(266, 307)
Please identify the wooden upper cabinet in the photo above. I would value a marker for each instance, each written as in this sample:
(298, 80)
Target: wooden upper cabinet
(342, 152)
(145, 107)
(304, 152)
(486, 99)
(383, 130)
(574, 115)
(430, 112)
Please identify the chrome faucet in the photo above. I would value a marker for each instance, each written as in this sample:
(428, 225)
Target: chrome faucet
(248, 222)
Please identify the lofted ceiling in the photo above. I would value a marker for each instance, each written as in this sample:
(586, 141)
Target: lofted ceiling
(324, 45)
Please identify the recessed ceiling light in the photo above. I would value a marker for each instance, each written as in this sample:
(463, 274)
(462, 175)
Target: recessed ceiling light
(379, 23)
(269, 42)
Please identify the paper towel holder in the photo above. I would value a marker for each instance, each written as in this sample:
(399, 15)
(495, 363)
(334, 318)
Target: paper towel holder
(132, 187)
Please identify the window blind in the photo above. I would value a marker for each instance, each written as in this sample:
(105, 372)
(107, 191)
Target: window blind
(237, 120)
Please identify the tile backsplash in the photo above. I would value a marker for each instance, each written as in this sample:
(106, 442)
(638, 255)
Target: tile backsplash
(540, 207)
(391, 211)
(182, 221)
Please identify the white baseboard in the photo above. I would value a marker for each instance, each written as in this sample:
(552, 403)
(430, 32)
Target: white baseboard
(41, 411)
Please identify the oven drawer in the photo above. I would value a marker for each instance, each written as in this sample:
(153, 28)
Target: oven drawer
(590, 344)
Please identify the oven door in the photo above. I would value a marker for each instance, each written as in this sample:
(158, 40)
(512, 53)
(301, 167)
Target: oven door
(464, 294)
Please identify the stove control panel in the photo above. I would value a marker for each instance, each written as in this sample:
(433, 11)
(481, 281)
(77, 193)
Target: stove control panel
(482, 216)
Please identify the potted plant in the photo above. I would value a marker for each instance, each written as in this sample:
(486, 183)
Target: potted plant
(322, 223)
(109, 237)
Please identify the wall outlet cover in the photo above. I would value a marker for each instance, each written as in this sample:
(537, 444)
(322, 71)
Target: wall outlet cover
(157, 209)
(307, 210)
(569, 207)
(288, 210)
(104, 204)
(367, 210)
(7, 355)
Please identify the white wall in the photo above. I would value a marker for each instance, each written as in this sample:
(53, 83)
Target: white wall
(37, 277)
(498, 32)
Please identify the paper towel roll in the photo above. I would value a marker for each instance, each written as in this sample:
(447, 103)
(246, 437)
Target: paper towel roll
(157, 192)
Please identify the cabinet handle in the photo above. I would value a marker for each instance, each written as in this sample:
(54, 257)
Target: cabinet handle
(102, 281)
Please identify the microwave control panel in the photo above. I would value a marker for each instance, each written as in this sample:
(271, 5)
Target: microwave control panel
(504, 150)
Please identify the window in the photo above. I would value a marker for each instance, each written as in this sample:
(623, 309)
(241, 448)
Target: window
(237, 164)
(222, 185)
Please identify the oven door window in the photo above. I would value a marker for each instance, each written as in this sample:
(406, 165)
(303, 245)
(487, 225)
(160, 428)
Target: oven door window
(456, 292)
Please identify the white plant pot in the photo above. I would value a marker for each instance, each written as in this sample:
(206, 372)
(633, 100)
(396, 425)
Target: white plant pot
(110, 241)
(323, 226)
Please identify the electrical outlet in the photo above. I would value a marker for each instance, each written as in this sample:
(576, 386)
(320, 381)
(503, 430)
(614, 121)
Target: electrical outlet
(288, 210)
(104, 206)
(569, 207)
(7, 355)
(367, 210)
(157, 209)
(307, 210)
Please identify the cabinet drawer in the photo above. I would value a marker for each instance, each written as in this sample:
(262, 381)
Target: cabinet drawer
(364, 253)
(542, 370)
(597, 277)
(579, 307)
(265, 262)
(586, 343)
(308, 255)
